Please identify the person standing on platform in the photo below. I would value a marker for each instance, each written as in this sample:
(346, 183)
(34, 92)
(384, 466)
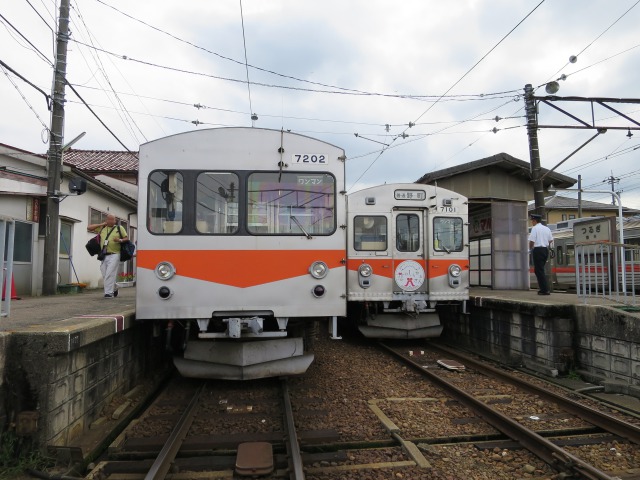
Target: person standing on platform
(540, 241)
(111, 236)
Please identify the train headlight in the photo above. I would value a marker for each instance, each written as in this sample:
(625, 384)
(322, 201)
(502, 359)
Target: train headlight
(318, 270)
(165, 270)
(455, 270)
(318, 291)
(365, 270)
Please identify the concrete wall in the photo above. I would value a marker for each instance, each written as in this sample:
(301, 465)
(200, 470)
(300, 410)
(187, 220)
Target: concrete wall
(600, 343)
(70, 374)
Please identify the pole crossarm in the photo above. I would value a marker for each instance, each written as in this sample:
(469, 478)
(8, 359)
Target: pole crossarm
(602, 101)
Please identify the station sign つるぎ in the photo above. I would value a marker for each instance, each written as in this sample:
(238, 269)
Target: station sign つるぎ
(409, 194)
(597, 230)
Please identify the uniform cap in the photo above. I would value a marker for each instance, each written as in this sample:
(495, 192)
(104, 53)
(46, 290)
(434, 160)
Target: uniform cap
(536, 217)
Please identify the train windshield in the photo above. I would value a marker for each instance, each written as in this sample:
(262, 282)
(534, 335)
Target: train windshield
(217, 203)
(164, 205)
(291, 203)
(447, 234)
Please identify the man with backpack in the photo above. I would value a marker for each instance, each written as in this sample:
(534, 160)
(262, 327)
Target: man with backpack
(111, 238)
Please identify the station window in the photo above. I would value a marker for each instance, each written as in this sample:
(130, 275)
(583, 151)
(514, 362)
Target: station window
(407, 232)
(217, 203)
(370, 233)
(447, 234)
(164, 206)
(287, 203)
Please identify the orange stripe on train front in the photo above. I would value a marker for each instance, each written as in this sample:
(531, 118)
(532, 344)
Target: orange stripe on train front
(240, 268)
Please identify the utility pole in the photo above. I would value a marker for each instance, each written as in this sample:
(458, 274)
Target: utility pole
(612, 180)
(534, 151)
(579, 196)
(54, 156)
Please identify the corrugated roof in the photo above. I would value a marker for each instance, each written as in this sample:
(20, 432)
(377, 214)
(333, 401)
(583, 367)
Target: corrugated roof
(558, 202)
(102, 160)
(504, 161)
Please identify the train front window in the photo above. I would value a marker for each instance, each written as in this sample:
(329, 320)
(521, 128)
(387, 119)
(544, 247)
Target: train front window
(164, 205)
(217, 203)
(447, 234)
(286, 203)
(407, 232)
(370, 233)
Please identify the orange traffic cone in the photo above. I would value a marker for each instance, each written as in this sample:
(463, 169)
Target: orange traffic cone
(14, 296)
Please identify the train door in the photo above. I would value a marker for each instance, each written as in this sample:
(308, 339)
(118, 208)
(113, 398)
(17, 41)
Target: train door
(408, 251)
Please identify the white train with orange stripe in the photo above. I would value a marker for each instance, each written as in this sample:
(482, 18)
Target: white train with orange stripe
(407, 252)
(248, 244)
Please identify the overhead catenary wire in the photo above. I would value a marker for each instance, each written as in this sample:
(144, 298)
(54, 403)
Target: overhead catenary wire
(596, 39)
(336, 87)
(246, 63)
(449, 89)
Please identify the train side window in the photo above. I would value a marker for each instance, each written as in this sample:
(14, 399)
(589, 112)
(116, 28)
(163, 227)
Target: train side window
(571, 255)
(164, 205)
(370, 233)
(447, 234)
(290, 203)
(407, 232)
(559, 256)
(217, 203)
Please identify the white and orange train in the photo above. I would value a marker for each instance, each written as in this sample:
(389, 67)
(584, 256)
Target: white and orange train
(250, 239)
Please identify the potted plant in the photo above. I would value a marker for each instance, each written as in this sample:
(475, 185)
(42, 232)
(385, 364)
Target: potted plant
(126, 279)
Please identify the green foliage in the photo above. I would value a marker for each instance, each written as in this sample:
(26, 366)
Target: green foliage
(17, 455)
(573, 375)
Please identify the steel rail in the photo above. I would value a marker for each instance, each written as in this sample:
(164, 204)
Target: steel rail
(293, 447)
(530, 440)
(167, 455)
(602, 420)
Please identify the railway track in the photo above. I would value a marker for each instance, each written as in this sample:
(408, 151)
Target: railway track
(184, 453)
(545, 449)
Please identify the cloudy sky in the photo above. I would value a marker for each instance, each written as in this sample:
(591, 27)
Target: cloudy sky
(353, 73)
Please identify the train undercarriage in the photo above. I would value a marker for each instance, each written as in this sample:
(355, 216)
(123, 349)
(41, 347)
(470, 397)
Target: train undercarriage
(242, 348)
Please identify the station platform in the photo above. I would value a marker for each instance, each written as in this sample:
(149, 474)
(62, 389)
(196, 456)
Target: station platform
(63, 358)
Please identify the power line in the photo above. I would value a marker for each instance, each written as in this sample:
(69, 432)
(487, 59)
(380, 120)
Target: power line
(46, 95)
(4, 70)
(127, 119)
(26, 40)
(96, 115)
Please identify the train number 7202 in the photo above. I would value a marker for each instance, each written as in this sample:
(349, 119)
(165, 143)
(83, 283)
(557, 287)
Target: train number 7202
(310, 158)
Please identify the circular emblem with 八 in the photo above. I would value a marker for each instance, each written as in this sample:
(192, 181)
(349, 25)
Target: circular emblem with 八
(409, 275)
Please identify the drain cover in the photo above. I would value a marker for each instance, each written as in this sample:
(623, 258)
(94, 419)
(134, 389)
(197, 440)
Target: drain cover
(450, 364)
(254, 458)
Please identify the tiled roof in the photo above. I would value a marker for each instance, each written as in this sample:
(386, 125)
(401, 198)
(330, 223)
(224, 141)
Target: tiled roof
(102, 160)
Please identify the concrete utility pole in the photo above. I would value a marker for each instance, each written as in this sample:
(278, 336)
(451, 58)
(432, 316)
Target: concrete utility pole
(54, 157)
(612, 180)
(579, 196)
(534, 151)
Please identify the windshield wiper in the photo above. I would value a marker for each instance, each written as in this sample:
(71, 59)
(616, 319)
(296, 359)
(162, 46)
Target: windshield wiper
(300, 226)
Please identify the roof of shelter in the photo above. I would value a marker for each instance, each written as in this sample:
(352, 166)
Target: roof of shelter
(504, 161)
(559, 202)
